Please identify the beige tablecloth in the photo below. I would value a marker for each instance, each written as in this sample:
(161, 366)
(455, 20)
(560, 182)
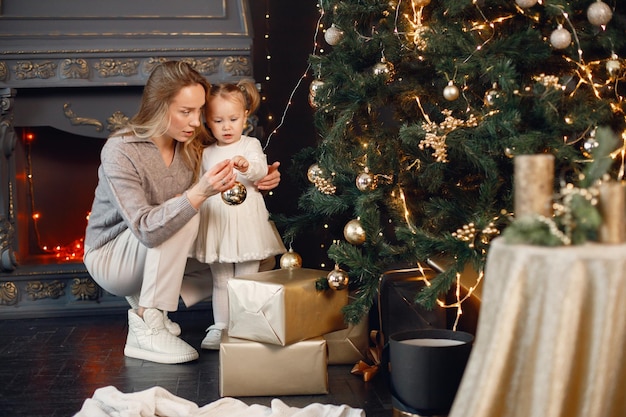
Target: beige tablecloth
(551, 334)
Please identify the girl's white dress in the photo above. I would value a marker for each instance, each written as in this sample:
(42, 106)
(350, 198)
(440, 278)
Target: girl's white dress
(237, 233)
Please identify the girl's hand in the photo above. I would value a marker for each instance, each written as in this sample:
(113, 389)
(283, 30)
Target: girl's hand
(241, 163)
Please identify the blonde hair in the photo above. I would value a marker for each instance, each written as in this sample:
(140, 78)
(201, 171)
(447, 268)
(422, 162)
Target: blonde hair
(164, 83)
(243, 92)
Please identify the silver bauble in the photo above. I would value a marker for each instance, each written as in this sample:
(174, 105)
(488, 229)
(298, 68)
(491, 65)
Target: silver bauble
(451, 92)
(337, 278)
(613, 67)
(524, 4)
(354, 232)
(333, 35)
(290, 260)
(314, 173)
(599, 13)
(365, 181)
(235, 195)
(560, 38)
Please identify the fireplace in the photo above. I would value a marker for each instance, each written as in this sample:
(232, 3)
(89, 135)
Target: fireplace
(70, 72)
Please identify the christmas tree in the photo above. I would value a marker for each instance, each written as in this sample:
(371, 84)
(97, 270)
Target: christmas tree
(421, 107)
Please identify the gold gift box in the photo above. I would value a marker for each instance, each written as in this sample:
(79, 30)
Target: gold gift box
(250, 368)
(283, 306)
(349, 345)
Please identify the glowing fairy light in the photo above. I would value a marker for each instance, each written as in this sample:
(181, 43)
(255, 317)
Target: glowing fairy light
(460, 300)
(318, 26)
(407, 213)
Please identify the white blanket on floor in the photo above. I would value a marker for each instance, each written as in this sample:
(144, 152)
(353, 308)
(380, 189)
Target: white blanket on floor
(157, 401)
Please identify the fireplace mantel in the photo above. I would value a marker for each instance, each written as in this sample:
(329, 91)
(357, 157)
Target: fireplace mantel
(107, 48)
(79, 66)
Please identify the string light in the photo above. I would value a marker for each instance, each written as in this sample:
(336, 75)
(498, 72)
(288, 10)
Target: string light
(71, 252)
(302, 77)
(459, 301)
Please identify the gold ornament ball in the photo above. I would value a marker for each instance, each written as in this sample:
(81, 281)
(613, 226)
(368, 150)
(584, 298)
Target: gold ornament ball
(313, 90)
(599, 13)
(290, 260)
(365, 181)
(337, 279)
(451, 92)
(354, 233)
(491, 96)
(560, 38)
(421, 3)
(314, 173)
(333, 35)
(524, 4)
(383, 69)
(236, 195)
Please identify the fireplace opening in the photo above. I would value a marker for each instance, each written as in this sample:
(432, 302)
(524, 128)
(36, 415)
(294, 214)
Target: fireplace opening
(56, 175)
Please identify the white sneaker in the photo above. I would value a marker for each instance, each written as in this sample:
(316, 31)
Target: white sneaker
(149, 340)
(213, 337)
(171, 327)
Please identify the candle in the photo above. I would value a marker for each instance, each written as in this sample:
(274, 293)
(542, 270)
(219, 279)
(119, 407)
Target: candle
(432, 342)
(613, 209)
(534, 185)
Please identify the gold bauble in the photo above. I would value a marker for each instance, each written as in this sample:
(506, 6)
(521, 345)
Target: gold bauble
(315, 173)
(491, 96)
(290, 260)
(354, 233)
(365, 181)
(383, 69)
(235, 195)
(337, 279)
(315, 86)
(451, 92)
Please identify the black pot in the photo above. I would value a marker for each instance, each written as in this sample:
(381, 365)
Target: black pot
(427, 366)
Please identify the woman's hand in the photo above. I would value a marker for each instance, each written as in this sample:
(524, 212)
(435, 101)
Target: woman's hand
(271, 180)
(219, 178)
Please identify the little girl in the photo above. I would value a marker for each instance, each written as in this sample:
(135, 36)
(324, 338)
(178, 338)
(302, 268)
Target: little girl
(233, 239)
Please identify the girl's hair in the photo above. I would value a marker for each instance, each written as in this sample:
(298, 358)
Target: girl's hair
(243, 92)
(164, 83)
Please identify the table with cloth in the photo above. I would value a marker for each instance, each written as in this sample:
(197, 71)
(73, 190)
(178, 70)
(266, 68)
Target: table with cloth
(551, 335)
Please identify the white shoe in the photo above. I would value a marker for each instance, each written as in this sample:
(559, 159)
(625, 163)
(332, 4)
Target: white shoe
(213, 337)
(171, 327)
(149, 340)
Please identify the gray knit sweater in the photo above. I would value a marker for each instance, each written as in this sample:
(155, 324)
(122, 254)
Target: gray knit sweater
(137, 191)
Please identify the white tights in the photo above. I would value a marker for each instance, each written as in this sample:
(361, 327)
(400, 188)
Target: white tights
(221, 274)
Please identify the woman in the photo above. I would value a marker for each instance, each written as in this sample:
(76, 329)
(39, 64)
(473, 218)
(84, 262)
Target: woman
(144, 217)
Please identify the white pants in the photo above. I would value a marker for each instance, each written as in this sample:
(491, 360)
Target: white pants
(124, 267)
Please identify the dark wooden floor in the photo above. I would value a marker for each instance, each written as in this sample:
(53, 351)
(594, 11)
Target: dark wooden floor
(49, 366)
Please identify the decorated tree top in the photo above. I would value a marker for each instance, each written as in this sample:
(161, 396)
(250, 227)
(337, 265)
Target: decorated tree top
(421, 107)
